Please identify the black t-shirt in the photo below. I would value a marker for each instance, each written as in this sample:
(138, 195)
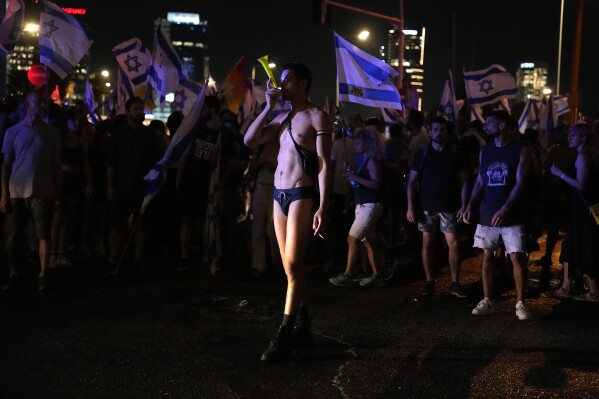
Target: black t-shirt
(203, 151)
(133, 152)
(438, 177)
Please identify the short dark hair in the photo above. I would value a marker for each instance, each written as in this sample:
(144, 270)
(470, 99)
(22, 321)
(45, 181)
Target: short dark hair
(503, 116)
(132, 100)
(439, 119)
(301, 72)
(395, 130)
(212, 102)
(416, 118)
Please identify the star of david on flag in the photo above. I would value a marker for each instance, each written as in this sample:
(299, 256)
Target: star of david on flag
(63, 40)
(447, 105)
(186, 93)
(364, 79)
(134, 60)
(489, 85)
(166, 69)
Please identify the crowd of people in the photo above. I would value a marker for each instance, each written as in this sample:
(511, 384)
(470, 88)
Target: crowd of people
(72, 188)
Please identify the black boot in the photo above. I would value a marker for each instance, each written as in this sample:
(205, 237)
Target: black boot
(302, 333)
(280, 347)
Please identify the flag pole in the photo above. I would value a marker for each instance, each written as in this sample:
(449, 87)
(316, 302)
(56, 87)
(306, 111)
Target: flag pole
(150, 68)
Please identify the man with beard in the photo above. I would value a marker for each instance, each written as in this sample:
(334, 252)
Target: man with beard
(505, 164)
(133, 151)
(303, 132)
(438, 175)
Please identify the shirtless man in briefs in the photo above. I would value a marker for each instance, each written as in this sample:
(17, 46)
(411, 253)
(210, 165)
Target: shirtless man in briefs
(295, 192)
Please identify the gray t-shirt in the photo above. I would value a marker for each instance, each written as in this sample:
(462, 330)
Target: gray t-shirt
(32, 172)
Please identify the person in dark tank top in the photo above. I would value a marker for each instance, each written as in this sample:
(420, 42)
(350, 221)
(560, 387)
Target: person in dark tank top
(505, 165)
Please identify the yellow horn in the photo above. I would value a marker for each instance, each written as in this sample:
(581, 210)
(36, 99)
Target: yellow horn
(264, 61)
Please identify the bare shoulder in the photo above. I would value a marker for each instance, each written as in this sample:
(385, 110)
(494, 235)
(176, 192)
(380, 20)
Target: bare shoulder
(320, 120)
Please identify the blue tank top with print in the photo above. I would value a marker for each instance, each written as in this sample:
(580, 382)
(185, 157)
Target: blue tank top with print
(497, 170)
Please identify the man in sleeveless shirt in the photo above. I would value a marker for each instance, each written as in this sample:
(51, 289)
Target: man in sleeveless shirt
(505, 165)
(295, 192)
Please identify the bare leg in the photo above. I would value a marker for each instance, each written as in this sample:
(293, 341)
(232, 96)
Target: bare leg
(428, 254)
(293, 234)
(487, 273)
(519, 262)
(44, 254)
(454, 256)
(374, 255)
(352, 254)
(592, 285)
(567, 282)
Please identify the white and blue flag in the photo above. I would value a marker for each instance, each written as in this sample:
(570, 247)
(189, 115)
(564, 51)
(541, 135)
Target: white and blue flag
(124, 91)
(561, 105)
(12, 25)
(364, 79)
(185, 93)
(90, 100)
(134, 60)
(489, 85)
(177, 147)
(448, 107)
(63, 40)
(529, 117)
(166, 69)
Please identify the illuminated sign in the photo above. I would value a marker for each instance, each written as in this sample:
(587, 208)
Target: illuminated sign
(74, 11)
(183, 18)
(526, 65)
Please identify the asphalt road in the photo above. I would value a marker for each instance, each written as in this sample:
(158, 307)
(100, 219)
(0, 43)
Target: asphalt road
(168, 335)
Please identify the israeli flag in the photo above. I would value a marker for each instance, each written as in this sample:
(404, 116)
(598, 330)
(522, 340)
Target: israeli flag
(134, 59)
(166, 68)
(489, 85)
(63, 40)
(179, 143)
(364, 79)
(186, 93)
(561, 105)
(529, 117)
(12, 25)
(448, 107)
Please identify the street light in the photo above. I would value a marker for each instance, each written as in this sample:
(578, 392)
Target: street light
(105, 73)
(363, 35)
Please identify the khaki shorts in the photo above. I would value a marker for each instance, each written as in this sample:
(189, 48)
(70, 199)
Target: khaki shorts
(40, 212)
(367, 216)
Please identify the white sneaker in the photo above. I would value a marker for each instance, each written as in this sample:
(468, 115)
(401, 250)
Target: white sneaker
(484, 307)
(522, 311)
(63, 261)
(372, 281)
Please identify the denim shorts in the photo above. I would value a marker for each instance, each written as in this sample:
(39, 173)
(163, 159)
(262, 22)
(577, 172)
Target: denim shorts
(367, 216)
(488, 237)
(428, 221)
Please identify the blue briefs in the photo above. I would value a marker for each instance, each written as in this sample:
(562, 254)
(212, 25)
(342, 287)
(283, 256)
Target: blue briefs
(286, 196)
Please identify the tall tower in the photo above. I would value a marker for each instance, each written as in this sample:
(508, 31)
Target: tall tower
(187, 33)
(531, 81)
(413, 62)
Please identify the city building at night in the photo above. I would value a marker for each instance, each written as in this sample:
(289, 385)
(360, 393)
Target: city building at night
(413, 57)
(531, 81)
(187, 33)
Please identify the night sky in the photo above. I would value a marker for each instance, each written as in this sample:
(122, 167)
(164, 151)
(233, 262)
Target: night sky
(505, 32)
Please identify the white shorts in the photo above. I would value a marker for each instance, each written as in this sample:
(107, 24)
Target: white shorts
(514, 238)
(367, 216)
